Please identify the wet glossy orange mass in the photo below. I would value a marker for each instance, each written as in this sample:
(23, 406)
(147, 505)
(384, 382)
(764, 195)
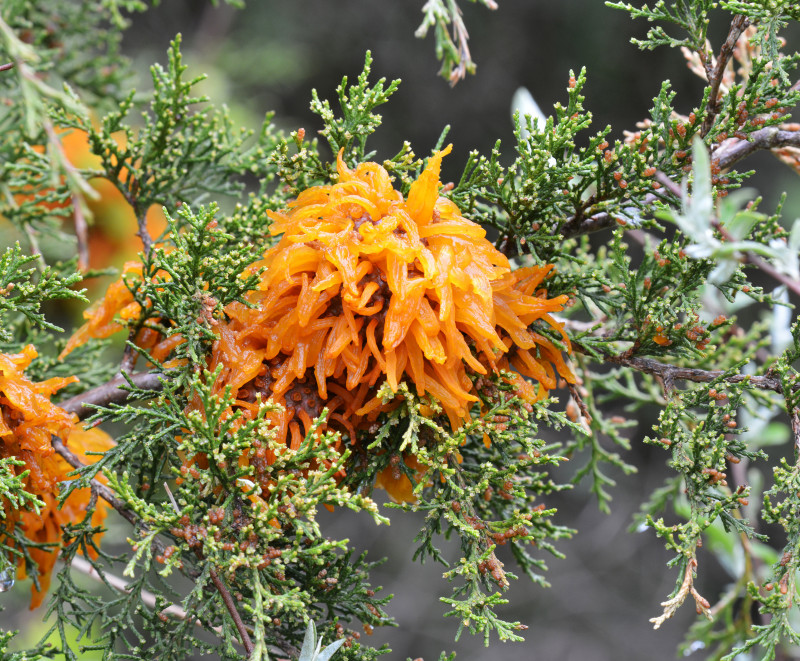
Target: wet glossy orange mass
(28, 420)
(366, 287)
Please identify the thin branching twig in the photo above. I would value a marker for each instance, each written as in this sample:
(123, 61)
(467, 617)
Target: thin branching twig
(111, 392)
(738, 25)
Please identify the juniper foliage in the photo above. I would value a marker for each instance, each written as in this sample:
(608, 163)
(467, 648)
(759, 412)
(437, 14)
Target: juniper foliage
(679, 248)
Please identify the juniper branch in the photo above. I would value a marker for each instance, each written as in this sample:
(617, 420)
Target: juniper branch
(596, 223)
(86, 568)
(73, 175)
(728, 154)
(81, 233)
(106, 494)
(735, 150)
(143, 233)
(234, 613)
(671, 186)
(795, 423)
(670, 373)
(101, 489)
(577, 225)
(738, 25)
(112, 392)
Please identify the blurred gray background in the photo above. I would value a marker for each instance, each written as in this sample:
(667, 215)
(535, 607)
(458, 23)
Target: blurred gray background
(268, 57)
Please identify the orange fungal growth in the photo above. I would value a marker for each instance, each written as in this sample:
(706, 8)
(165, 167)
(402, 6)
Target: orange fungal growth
(45, 527)
(660, 338)
(28, 420)
(101, 316)
(108, 315)
(397, 484)
(27, 417)
(366, 288)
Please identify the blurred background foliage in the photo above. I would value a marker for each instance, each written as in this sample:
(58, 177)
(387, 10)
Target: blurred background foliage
(267, 57)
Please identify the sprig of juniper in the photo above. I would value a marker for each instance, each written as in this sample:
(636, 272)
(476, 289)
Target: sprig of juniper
(478, 483)
(189, 278)
(13, 488)
(183, 153)
(451, 47)
(291, 561)
(358, 121)
(23, 290)
(25, 655)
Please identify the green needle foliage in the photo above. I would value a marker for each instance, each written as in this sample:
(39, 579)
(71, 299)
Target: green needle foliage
(24, 289)
(450, 35)
(651, 239)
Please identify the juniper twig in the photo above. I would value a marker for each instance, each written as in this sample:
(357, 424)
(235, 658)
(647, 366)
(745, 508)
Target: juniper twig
(772, 137)
(738, 25)
(111, 392)
(106, 494)
(670, 373)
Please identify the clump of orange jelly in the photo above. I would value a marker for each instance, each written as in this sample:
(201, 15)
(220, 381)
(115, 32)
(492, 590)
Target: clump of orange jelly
(108, 315)
(366, 287)
(28, 420)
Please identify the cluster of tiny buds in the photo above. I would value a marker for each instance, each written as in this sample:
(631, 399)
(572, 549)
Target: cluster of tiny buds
(729, 423)
(505, 492)
(715, 476)
(717, 396)
(501, 538)
(609, 288)
(486, 387)
(783, 584)
(194, 534)
(168, 552)
(661, 261)
(499, 422)
(696, 334)
(190, 470)
(699, 336)
(329, 581)
(494, 567)
(350, 638)
(743, 502)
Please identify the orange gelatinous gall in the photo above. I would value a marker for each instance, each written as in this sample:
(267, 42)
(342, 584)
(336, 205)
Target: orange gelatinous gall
(366, 287)
(28, 421)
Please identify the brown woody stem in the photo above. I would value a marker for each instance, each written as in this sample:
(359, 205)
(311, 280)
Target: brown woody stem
(106, 494)
(738, 25)
(670, 373)
(234, 613)
(81, 233)
(111, 392)
(733, 151)
(144, 233)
